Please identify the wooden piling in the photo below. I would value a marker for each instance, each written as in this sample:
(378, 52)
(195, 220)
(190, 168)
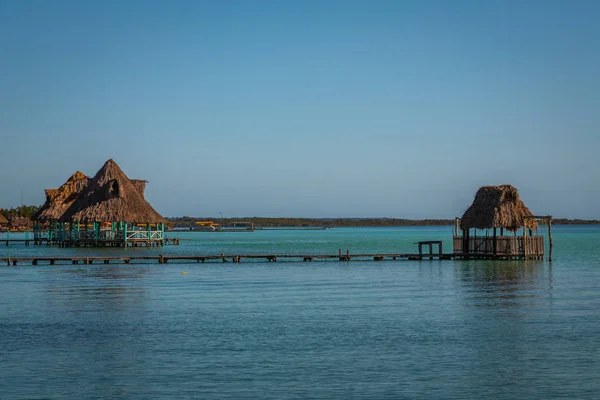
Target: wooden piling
(550, 239)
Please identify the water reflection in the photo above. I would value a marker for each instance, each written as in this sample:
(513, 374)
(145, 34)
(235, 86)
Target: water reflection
(95, 324)
(107, 287)
(501, 283)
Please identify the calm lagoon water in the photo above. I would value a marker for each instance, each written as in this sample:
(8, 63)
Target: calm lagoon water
(321, 330)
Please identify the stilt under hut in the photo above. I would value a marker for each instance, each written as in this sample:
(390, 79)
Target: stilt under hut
(112, 211)
(46, 225)
(498, 225)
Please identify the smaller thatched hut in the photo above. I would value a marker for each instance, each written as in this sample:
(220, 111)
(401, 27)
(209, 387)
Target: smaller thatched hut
(45, 220)
(59, 200)
(19, 223)
(498, 208)
(3, 220)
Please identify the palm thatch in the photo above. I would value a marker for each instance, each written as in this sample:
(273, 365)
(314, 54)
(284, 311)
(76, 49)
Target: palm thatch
(19, 222)
(140, 184)
(3, 220)
(59, 200)
(497, 207)
(111, 196)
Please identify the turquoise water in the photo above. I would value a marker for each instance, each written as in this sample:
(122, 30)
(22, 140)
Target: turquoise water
(362, 330)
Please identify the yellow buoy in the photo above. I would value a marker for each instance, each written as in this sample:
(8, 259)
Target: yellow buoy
(184, 273)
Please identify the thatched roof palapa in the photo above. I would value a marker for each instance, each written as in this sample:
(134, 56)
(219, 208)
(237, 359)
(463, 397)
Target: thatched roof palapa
(3, 220)
(140, 184)
(59, 200)
(497, 207)
(111, 196)
(19, 222)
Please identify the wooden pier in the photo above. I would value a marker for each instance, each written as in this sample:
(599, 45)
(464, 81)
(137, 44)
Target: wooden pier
(237, 258)
(93, 243)
(26, 242)
(222, 258)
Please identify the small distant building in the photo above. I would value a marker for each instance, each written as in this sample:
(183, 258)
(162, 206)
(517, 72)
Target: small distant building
(480, 232)
(19, 223)
(106, 210)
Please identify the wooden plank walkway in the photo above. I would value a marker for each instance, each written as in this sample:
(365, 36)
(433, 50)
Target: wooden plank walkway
(232, 258)
(90, 243)
(26, 242)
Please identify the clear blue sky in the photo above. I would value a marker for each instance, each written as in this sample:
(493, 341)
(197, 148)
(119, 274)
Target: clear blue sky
(305, 108)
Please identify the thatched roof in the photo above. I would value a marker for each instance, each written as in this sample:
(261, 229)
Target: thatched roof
(497, 207)
(111, 196)
(59, 200)
(140, 184)
(3, 220)
(19, 222)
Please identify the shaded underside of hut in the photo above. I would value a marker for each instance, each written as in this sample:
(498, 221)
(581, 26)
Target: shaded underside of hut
(59, 200)
(111, 196)
(498, 207)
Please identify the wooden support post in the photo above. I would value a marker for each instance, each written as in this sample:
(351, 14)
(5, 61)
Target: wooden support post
(525, 241)
(550, 239)
(466, 239)
(494, 244)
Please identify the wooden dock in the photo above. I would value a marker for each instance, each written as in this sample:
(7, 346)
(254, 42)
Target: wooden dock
(26, 242)
(222, 258)
(92, 243)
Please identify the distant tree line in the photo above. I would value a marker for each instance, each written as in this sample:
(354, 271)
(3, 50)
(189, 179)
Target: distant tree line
(190, 222)
(20, 211)
(566, 221)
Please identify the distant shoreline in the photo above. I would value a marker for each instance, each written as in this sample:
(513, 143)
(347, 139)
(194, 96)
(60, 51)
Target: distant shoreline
(189, 222)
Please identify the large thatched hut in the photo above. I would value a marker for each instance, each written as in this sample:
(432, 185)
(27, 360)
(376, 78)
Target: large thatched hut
(106, 210)
(111, 210)
(480, 231)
